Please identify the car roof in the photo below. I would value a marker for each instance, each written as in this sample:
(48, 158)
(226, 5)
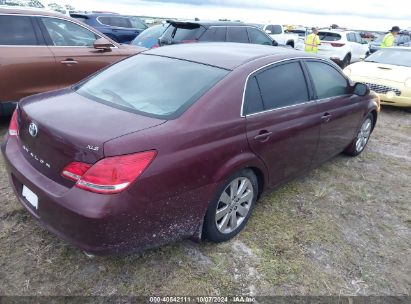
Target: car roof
(99, 15)
(338, 31)
(224, 54)
(29, 11)
(206, 23)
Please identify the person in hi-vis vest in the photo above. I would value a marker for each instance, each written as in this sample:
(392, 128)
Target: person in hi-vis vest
(389, 39)
(312, 41)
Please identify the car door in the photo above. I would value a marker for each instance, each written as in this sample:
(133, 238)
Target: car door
(340, 110)
(72, 47)
(353, 46)
(283, 123)
(26, 63)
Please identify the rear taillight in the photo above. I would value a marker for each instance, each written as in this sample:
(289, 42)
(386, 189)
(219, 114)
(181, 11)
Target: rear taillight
(155, 46)
(75, 170)
(337, 44)
(14, 125)
(109, 175)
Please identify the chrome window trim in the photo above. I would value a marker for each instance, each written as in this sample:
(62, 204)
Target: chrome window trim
(290, 106)
(55, 17)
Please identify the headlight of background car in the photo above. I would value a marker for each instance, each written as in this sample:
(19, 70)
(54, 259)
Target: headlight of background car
(408, 83)
(347, 71)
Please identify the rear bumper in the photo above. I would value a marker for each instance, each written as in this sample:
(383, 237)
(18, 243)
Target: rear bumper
(99, 224)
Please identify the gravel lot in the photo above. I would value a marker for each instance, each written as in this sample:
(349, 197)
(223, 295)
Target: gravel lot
(343, 229)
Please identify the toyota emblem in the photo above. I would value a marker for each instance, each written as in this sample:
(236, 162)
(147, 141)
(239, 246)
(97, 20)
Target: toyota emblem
(33, 129)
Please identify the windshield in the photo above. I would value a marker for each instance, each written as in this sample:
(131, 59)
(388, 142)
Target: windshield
(392, 56)
(152, 85)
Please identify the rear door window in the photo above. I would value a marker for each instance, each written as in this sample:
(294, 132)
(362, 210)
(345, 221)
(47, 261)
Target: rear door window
(283, 85)
(328, 82)
(67, 33)
(351, 37)
(258, 37)
(215, 33)
(137, 23)
(237, 34)
(327, 36)
(17, 30)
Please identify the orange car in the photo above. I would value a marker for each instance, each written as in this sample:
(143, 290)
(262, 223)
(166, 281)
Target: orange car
(42, 51)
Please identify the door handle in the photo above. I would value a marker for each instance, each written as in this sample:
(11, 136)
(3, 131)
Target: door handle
(326, 117)
(263, 136)
(69, 61)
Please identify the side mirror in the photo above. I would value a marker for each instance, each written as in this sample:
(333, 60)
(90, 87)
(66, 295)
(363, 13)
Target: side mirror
(268, 32)
(361, 89)
(103, 44)
(275, 43)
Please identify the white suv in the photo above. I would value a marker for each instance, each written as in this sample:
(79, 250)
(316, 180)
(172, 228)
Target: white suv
(342, 46)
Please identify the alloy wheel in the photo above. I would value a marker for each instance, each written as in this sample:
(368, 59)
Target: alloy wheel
(363, 135)
(234, 205)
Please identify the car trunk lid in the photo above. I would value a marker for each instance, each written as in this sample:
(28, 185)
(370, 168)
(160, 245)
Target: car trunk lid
(66, 127)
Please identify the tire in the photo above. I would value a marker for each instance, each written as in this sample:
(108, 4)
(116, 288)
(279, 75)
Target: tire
(219, 222)
(361, 139)
(346, 61)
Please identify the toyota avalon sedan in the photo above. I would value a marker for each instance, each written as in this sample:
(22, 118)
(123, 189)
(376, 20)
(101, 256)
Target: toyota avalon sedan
(179, 142)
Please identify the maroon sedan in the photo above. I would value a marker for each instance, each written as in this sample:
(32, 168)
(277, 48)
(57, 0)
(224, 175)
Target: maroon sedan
(179, 141)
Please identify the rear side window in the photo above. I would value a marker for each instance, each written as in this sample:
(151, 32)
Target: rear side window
(258, 37)
(328, 82)
(283, 85)
(137, 23)
(215, 34)
(152, 85)
(327, 36)
(276, 29)
(253, 103)
(17, 30)
(237, 34)
(115, 21)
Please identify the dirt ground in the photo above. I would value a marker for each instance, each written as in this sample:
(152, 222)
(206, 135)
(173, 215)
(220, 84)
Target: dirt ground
(343, 229)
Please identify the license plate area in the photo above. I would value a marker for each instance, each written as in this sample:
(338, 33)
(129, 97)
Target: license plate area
(31, 197)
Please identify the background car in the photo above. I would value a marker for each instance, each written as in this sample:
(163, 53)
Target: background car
(280, 34)
(42, 51)
(149, 37)
(180, 141)
(122, 29)
(214, 31)
(388, 73)
(342, 46)
(400, 40)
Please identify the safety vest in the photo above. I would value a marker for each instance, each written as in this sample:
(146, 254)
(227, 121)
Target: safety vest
(311, 43)
(388, 40)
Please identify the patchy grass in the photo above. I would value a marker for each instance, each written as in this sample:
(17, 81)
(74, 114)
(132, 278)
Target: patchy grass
(343, 229)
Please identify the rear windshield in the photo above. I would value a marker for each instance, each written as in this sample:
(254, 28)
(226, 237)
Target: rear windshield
(327, 36)
(184, 32)
(152, 85)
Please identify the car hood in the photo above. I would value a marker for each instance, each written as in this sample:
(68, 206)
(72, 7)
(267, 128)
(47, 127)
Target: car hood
(380, 71)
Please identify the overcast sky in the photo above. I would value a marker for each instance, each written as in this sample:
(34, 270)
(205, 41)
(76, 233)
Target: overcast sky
(358, 14)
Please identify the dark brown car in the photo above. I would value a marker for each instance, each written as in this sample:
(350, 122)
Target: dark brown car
(42, 51)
